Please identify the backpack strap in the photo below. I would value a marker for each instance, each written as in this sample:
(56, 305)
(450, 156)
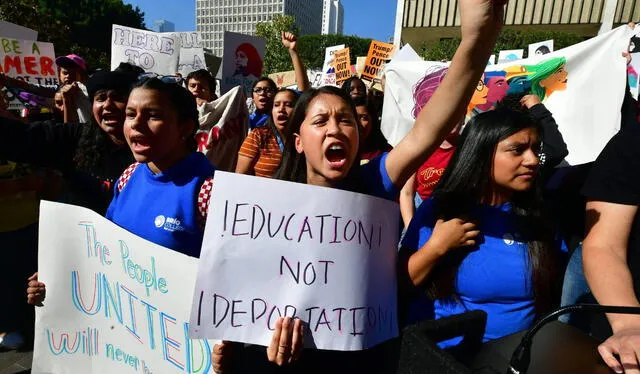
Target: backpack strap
(124, 178)
(204, 195)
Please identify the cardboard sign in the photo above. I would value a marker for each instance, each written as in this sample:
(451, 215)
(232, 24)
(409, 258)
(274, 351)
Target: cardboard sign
(379, 54)
(243, 61)
(28, 60)
(328, 70)
(541, 48)
(115, 303)
(342, 65)
(284, 79)
(323, 255)
(154, 52)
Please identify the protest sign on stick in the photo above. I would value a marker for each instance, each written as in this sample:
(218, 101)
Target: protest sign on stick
(243, 61)
(115, 303)
(341, 63)
(323, 255)
(154, 52)
(284, 78)
(510, 55)
(541, 48)
(379, 54)
(328, 69)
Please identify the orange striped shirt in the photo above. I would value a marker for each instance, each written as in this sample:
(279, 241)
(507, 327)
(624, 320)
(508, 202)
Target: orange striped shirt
(262, 147)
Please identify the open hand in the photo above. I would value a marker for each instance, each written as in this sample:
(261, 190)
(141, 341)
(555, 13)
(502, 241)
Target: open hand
(286, 342)
(626, 345)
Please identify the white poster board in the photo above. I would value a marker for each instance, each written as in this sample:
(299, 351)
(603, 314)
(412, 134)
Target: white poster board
(115, 303)
(328, 70)
(510, 55)
(11, 30)
(154, 52)
(323, 255)
(541, 48)
(30, 61)
(191, 52)
(243, 61)
(584, 91)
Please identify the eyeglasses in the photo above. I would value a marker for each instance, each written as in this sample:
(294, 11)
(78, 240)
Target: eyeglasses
(175, 79)
(266, 90)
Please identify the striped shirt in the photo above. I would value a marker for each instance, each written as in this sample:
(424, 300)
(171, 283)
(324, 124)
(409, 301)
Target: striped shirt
(262, 147)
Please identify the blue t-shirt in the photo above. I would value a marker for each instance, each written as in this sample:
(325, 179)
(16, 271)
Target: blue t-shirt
(494, 276)
(373, 176)
(257, 120)
(162, 208)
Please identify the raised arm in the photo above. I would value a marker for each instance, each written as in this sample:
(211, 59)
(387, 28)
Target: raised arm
(481, 22)
(290, 42)
(407, 198)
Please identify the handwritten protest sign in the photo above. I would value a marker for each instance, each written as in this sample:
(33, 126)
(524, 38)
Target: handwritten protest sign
(342, 64)
(154, 52)
(328, 70)
(11, 30)
(379, 54)
(582, 85)
(29, 61)
(115, 303)
(191, 52)
(323, 255)
(243, 61)
(541, 48)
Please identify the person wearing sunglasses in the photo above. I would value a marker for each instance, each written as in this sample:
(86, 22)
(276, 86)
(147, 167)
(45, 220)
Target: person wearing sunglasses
(262, 93)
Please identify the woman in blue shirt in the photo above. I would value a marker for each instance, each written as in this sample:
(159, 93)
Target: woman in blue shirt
(322, 150)
(481, 242)
(262, 92)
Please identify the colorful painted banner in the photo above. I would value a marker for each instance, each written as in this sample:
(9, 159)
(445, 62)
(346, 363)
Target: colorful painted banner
(342, 64)
(115, 303)
(328, 69)
(323, 255)
(242, 62)
(583, 86)
(154, 52)
(379, 54)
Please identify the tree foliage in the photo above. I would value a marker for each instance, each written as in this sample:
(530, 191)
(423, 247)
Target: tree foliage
(508, 39)
(310, 47)
(74, 26)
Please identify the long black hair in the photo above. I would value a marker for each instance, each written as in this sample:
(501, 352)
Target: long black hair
(293, 167)
(467, 183)
(346, 86)
(180, 98)
(376, 140)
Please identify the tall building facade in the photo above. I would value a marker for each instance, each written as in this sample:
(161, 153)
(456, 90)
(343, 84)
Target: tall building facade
(428, 21)
(332, 17)
(214, 17)
(162, 25)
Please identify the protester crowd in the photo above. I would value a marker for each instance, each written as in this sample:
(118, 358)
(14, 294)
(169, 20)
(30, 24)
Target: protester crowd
(481, 226)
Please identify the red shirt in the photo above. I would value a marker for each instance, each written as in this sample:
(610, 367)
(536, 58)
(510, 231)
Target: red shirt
(430, 172)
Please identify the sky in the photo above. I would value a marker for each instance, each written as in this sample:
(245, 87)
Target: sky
(361, 17)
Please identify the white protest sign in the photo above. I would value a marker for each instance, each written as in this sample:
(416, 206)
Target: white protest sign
(242, 62)
(29, 61)
(328, 70)
(154, 52)
(510, 55)
(115, 303)
(191, 52)
(582, 85)
(11, 30)
(323, 255)
(541, 48)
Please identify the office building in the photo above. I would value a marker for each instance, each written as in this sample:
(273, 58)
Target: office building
(214, 17)
(332, 17)
(162, 25)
